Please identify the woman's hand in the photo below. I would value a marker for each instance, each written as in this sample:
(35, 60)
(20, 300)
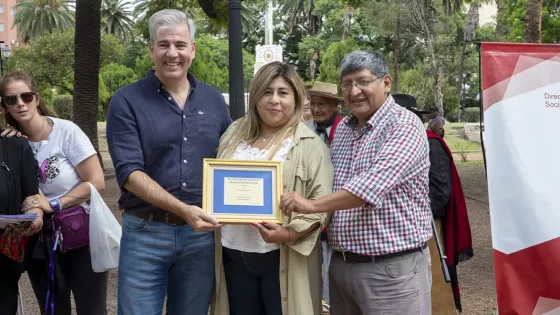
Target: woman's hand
(274, 233)
(30, 228)
(10, 131)
(36, 201)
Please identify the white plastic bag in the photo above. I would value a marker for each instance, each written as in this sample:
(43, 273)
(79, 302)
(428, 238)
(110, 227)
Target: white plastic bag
(104, 234)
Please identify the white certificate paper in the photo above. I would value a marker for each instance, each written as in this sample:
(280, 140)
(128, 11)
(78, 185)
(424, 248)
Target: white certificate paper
(241, 191)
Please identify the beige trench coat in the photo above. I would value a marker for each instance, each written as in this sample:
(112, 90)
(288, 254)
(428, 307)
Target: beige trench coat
(308, 170)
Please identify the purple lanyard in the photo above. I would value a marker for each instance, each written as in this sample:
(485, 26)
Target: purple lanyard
(49, 303)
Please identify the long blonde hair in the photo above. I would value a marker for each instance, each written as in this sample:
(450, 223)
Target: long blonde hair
(250, 126)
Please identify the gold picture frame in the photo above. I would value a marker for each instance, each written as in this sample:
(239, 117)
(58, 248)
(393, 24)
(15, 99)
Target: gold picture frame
(231, 190)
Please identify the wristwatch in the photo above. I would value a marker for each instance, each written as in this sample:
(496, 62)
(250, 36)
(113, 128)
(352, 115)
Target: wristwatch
(55, 205)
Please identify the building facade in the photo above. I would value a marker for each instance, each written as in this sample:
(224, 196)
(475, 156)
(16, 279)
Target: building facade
(7, 15)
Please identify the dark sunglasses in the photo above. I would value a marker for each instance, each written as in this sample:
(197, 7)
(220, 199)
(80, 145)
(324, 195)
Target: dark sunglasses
(26, 97)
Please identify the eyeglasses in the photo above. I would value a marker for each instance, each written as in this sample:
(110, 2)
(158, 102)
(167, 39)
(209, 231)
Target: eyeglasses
(360, 84)
(26, 97)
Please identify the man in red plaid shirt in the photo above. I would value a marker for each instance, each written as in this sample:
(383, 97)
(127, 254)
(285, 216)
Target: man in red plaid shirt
(382, 217)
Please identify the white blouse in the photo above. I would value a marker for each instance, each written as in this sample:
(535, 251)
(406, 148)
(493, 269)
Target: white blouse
(247, 238)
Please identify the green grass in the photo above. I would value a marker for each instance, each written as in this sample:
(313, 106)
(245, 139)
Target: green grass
(453, 141)
(479, 163)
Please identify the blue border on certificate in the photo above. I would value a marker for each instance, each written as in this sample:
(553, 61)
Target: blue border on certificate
(218, 198)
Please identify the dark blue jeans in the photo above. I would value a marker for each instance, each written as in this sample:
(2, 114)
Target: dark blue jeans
(158, 259)
(253, 282)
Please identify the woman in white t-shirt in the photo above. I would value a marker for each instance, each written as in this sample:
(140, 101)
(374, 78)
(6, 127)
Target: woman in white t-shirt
(66, 162)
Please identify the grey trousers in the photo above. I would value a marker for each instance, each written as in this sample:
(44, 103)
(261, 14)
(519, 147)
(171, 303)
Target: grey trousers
(398, 285)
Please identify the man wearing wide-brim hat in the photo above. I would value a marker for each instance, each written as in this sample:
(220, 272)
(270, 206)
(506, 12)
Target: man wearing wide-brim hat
(324, 106)
(449, 211)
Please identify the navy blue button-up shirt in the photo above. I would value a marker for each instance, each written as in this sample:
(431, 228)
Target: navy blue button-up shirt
(148, 131)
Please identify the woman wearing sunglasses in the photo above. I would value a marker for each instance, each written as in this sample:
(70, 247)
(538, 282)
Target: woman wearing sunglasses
(67, 161)
(18, 180)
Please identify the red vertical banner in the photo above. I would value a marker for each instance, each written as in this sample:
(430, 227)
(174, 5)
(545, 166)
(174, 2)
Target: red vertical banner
(521, 103)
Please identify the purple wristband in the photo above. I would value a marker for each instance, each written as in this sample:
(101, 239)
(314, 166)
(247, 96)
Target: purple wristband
(55, 205)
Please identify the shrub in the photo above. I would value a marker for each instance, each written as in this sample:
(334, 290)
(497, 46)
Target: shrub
(472, 114)
(62, 105)
(451, 116)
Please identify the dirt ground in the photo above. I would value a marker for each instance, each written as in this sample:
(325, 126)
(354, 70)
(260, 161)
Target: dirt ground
(476, 277)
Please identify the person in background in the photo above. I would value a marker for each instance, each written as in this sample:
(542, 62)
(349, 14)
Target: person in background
(324, 106)
(67, 162)
(159, 131)
(450, 216)
(381, 218)
(268, 268)
(18, 180)
(436, 121)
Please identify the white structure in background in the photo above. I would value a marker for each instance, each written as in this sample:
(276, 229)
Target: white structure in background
(268, 52)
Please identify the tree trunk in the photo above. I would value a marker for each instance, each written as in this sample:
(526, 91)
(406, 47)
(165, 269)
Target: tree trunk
(348, 14)
(313, 64)
(469, 32)
(87, 43)
(501, 27)
(396, 47)
(533, 21)
(314, 24)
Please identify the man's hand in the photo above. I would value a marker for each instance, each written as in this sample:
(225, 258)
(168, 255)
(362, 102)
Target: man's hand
(294, 202)
(199, 220)
(10, 132)
(36, 201)
(273, 233)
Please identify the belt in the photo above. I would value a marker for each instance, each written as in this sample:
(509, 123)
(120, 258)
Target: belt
(350, 257)
(158, 216)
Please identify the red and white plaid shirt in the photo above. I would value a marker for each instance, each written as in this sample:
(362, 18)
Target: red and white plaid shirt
(387, 166)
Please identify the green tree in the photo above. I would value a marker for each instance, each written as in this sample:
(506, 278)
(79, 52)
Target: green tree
(113, 77)
(329, 70)
(135, 47)
(215, 20)
(513, 18)
(50, 58)
(34, 18)
(115, 18)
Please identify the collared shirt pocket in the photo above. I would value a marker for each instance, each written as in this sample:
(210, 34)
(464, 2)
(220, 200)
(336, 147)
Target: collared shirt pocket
(208, 124)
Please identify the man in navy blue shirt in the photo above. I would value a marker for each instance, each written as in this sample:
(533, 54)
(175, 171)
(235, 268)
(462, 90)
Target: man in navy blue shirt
(159, 130)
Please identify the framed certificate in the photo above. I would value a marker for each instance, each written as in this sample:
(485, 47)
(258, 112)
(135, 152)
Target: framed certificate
(240, 192)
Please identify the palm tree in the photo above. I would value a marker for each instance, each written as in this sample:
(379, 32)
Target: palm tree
(249, 20)
(87, 46)
(34, 18)
(115, 18)
(533, 21)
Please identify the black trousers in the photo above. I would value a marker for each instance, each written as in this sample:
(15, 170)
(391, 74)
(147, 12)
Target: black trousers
(9, 278)
(253, 282)
(89, 288)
